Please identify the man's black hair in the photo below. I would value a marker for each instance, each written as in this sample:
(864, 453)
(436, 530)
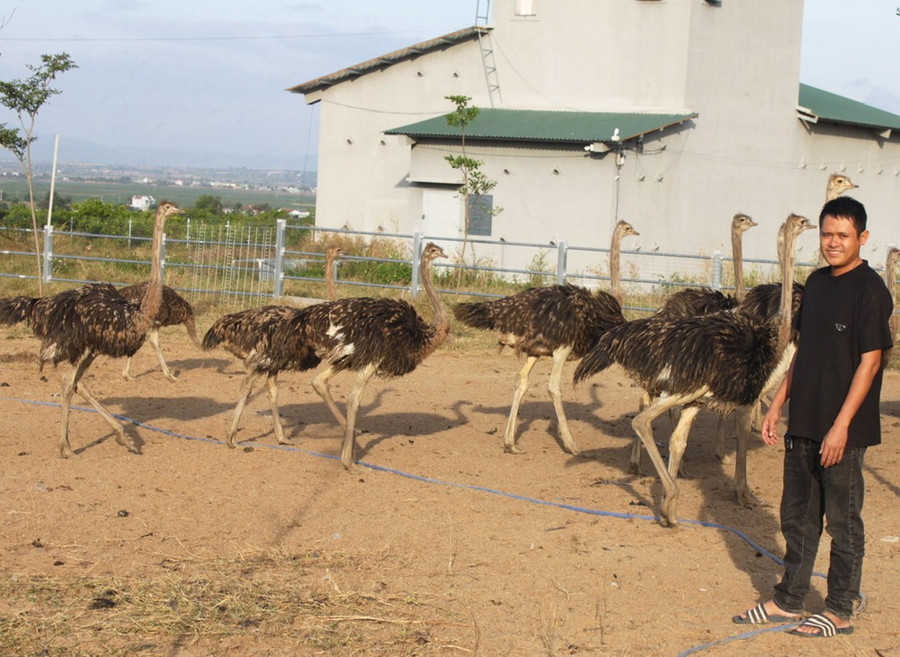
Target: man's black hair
(846, 207)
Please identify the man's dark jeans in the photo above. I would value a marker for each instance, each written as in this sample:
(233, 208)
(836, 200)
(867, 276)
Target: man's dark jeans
(810, 493)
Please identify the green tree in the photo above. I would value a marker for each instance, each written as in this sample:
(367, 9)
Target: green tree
(475, 183)
(26, 98)
(209, 203)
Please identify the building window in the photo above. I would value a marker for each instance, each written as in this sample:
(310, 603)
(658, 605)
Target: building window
(526, 7)
(481, 214)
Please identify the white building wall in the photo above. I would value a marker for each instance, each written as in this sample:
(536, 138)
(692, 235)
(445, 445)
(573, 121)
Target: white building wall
(735, 63)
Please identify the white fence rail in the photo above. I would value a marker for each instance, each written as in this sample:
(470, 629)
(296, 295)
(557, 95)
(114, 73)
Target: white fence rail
(245, 265)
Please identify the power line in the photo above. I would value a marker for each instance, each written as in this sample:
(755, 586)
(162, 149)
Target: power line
(201, 38)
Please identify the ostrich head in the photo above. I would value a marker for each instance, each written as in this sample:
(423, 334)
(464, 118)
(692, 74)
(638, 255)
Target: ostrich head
(741, 223)
(793, 226)
(166, 209)
(433, 251)
(838, 183)
(623, 229)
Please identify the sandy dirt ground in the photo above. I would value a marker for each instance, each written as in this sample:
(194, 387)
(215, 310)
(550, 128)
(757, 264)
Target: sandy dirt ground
(436, 543)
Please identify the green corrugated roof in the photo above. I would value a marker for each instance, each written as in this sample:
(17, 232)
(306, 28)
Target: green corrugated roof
(547, 126)
(826, 106)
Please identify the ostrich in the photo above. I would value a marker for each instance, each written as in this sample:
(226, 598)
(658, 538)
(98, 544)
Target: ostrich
(250, 336)
(890, 277)
(174, 310)
(560, 321)
(383, 337)
(722, 360)
(95, 319)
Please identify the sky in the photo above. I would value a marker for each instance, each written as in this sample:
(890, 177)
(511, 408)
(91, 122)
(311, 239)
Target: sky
(169, 78)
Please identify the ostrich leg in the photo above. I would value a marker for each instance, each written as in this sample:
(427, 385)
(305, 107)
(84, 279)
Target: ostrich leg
(509, 438)
(642, 425)
(153, 337)
(560, 356)
(353, 400)
(72, 384)
(320, 385)
(246, 388)
(272, 392)
(741, 487)
(679, 438)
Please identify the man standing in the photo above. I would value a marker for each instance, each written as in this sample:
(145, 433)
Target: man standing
(834, 384)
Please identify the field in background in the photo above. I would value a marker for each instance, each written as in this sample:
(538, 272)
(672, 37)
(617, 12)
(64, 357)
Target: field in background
(13, 189)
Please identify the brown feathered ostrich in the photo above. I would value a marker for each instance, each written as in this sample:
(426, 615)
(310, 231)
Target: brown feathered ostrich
(94, 320)
(174, 310)
(721, 360)
(250, 335)
(890, 278)
(372, 337)
(560, 321)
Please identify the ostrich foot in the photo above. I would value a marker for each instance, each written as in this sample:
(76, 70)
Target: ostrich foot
(571, 449)
(126, 442)
(668, 517)
(171, 377)
(745, 498)
(513, 449)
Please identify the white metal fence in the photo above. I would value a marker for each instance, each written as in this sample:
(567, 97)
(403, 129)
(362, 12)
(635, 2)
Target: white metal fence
(246, 264)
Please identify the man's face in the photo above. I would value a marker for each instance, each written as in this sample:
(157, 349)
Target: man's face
(840, 243)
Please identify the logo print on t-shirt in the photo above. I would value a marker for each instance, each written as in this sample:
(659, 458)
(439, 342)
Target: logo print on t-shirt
(840, 327)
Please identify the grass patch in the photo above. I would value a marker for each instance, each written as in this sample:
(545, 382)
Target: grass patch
(311, 602)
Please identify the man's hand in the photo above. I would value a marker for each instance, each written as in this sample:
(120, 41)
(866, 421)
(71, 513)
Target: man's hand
(832, 449)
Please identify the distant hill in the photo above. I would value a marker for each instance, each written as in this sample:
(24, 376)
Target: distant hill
(77, 150)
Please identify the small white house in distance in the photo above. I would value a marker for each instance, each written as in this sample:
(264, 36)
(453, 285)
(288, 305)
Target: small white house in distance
(142, 202)
(673, 115)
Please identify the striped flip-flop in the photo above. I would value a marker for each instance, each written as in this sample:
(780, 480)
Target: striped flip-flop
(823, 625)
(759, 616)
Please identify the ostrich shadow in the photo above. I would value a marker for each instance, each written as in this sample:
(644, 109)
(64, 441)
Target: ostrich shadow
(404, 425)
(186, 365)
(130, 433)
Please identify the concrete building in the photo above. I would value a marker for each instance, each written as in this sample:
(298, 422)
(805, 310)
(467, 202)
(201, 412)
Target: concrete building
(672, 114)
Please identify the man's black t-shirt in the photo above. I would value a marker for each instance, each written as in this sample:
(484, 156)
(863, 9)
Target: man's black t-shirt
(841, 318)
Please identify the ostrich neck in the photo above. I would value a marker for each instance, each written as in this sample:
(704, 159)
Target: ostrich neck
(891, 275)
(615, 278)
(787, 288)
(329, 277)
(737, 259)
(153, 296)
(441, 321)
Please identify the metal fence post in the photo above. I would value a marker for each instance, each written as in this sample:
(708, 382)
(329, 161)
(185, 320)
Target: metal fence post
(717, 270)
(562, 250)
(280, 226)
(416, 257)
(48, 253)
